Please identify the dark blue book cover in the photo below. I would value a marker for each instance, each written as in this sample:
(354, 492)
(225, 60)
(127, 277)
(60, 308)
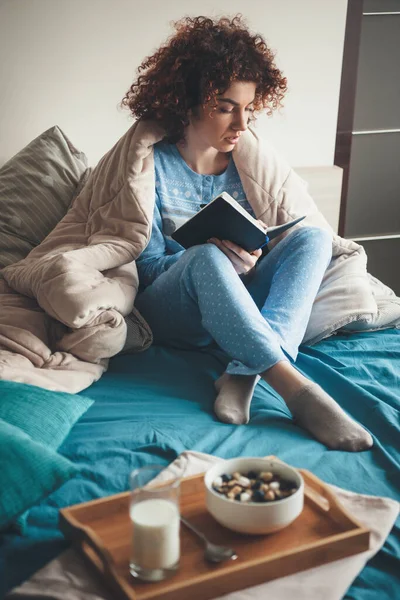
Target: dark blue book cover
(226, 219)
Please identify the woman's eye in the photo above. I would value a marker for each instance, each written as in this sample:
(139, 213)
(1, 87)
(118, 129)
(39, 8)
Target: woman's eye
(229, 112)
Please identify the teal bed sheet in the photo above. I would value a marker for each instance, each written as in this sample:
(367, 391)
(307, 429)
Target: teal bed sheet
(150, 407)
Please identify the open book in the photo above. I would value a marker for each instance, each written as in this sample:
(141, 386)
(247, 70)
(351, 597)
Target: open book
(226, 219)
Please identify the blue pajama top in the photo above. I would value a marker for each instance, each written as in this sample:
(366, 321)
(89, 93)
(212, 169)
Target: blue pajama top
(180, 193)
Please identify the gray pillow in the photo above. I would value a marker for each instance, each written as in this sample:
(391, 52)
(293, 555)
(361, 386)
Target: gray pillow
(37, 186)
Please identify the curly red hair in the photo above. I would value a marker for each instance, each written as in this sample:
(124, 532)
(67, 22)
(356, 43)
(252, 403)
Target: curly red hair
(198, 63)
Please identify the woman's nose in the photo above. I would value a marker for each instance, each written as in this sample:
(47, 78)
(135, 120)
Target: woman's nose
(241, 121)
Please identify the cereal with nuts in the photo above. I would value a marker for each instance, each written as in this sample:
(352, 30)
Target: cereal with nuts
(254, 487)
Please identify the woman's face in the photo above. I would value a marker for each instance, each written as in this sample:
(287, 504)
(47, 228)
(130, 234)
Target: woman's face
(220, 128)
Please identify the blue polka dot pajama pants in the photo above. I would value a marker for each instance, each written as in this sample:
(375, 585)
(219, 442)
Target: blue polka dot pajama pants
(257, 320)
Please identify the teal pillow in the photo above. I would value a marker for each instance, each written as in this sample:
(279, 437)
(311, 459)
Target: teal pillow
(45, 416)
(29, 472)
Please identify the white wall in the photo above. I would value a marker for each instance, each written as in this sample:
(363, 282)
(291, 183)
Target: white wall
(70, 62)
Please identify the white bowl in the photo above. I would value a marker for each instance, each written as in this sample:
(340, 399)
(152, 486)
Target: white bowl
(254, 517)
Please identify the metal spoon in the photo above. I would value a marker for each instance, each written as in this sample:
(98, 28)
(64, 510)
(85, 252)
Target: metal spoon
(213, 552)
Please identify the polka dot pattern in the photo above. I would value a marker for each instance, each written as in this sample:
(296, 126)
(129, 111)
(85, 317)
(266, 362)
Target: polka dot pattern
(258, 320)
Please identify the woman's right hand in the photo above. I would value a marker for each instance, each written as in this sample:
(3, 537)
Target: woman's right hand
(242, 260)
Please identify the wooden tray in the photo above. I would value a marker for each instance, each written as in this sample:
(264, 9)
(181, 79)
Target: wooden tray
(324, 532)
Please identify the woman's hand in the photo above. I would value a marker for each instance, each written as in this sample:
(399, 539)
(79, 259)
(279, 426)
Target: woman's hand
(242, 260)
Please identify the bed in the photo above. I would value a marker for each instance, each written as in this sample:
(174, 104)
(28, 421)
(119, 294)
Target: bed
(152, 406)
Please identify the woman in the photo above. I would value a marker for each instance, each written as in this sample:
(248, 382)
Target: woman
(203, 87)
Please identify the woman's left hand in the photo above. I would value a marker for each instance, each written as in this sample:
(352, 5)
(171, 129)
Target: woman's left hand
(242, 260)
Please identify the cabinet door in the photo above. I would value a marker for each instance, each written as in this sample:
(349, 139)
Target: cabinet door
(383, 261)
(373, 197)
(377, 102)
(381, 6)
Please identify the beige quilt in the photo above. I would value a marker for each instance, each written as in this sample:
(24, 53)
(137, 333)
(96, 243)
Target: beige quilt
(64, 308)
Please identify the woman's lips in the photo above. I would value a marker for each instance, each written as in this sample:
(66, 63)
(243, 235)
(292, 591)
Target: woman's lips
(234, 139)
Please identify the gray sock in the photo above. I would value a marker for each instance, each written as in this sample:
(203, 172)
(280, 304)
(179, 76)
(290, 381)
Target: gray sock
(232, 404)
(317, 412)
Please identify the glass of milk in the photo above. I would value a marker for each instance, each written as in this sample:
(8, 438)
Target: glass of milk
(155, 518)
